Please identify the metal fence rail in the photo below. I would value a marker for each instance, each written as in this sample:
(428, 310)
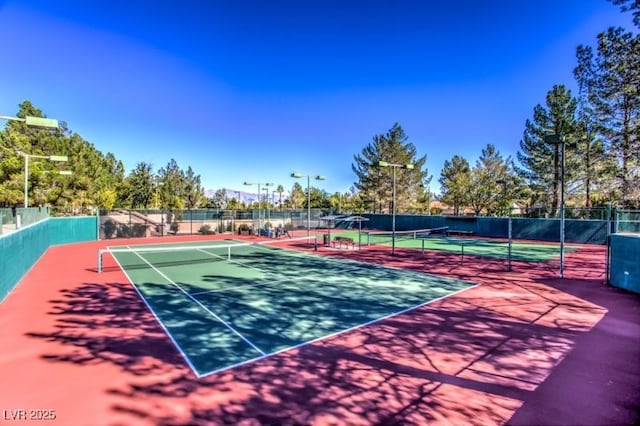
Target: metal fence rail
(12, 219)
(626, 221)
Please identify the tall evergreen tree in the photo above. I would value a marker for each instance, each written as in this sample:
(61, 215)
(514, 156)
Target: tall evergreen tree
(455, 182)
(611, 79)
(297, 197)
(141, 185)
(632, 6)
(193, 192)
(488, 179)
(376, 183)
(172, 189)
(541, 161)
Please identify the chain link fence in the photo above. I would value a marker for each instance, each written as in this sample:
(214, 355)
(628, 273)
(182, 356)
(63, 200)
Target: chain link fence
(15, 218)
(121, 223)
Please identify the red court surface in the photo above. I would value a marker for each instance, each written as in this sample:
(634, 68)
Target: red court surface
(524, 347)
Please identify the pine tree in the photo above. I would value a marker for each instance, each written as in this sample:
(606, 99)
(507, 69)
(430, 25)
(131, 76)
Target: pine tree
(488, 179)
(376, 183)
(455, 181)
(611, 80)
(541, 161)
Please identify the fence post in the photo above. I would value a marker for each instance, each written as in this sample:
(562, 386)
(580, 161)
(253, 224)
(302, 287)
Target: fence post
(608, 246)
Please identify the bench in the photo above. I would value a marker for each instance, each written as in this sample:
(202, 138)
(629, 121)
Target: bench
(460, 232)
(339, 241)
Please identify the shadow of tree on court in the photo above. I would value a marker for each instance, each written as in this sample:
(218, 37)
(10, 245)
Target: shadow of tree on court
(471, 358)
(107, 322)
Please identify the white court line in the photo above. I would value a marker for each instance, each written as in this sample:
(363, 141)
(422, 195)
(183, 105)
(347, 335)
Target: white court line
(244, 265)
(337, 333)
(256, 284)
(339, 261)
(175, 343)
(226, 324)
(298, 254)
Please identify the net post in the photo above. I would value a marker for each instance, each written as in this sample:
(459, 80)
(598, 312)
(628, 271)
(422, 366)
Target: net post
(315, 243)
(99, 260)
(229, 253)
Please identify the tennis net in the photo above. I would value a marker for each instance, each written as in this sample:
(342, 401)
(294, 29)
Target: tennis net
(145, 256)
(385, 237)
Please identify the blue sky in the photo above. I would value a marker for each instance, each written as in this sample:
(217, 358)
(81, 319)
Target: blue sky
(253, 90)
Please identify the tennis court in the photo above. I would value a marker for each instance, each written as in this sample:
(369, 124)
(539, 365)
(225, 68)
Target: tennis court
(433, 239)
(229, 303)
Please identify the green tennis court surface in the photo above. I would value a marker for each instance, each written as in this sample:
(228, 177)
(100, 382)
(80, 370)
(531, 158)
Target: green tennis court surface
(525, 251)
(221, 312)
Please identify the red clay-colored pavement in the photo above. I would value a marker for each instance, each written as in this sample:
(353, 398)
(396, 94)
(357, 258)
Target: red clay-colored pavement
(524, 347)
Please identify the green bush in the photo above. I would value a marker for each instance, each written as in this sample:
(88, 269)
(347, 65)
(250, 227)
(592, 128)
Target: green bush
(110, 226)
(206, 230)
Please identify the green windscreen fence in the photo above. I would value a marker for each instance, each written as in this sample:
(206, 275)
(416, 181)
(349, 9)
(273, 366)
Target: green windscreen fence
(65, 230)
(19, 250)
(581, 231)
(625, 261)
(627, 221)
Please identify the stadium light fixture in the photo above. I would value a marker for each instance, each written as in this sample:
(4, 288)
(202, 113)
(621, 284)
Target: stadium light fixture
(42, 123)
(39, 122)
(318, 177)
(393, 202)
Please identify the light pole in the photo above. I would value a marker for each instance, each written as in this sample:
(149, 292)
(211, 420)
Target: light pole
(251, 184)
(267, 218)
(509, 223)
(393, 214)
(259, 194)
(558, 140)
(60, 158)
(44, 123)
(156, 191)
(318, 177)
